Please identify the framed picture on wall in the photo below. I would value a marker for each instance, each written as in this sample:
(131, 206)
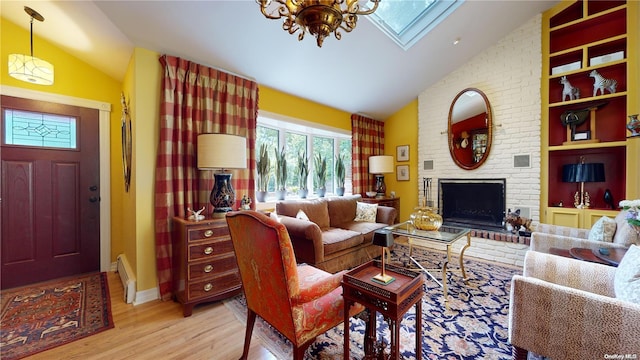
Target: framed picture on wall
(402, 173)
(402, 153)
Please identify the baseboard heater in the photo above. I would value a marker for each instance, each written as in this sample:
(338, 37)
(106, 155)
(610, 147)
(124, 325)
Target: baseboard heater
(128, 279)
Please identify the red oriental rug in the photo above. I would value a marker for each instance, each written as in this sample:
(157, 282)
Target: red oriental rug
(42, 316)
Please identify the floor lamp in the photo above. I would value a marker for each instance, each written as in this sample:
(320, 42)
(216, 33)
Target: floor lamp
(221, 152)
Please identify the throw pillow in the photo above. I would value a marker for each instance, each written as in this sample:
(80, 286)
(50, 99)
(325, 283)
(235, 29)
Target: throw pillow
(603, 230)
(626, 281)
(301, 215)
(366, 212)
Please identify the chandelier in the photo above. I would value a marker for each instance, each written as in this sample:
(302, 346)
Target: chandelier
(27, 67)
(318, 17)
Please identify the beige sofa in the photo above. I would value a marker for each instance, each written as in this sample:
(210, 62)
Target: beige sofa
(564, 308)
(330, 239)
(546, 236)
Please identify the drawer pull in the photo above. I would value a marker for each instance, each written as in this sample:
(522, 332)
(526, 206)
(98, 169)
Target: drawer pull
(208, 287)
(208, 233)
(208, 268)
(208, 250)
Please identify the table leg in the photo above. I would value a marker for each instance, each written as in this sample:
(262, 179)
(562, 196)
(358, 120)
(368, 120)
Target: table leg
(347, 305)
(464, 274)
(395, 347)
(419, 330)
(444, 280)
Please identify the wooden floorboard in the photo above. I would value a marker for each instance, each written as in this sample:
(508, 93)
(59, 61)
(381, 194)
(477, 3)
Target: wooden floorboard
(157, 330)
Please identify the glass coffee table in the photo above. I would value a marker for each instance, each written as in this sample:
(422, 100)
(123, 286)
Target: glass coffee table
(446, 235)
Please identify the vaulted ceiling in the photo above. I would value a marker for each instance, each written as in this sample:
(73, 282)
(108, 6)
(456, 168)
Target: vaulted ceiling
(365, 72)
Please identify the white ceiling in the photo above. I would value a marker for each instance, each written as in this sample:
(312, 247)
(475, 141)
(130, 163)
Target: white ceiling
(365, 72)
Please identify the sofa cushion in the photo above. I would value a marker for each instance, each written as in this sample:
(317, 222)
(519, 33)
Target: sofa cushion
(603, 230)
(316, 210)
(626, 282)
(625, 234)
(335, 239)
(365, 228)
(342, 209)
(366, 212)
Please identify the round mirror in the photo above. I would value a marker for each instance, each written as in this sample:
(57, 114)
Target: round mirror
(469, 128)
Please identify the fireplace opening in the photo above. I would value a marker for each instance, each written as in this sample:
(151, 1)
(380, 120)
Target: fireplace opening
(473, 203)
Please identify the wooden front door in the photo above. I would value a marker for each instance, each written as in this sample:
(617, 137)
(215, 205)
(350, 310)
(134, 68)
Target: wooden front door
(50, 191)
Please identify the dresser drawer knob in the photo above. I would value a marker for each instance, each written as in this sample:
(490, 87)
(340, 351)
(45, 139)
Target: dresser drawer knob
(208, 287)
(208, 233)
(208, 268)
(208, 250)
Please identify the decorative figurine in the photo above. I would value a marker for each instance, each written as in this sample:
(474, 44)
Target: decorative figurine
(195, 215)
(568, 90)
(245, 203)
(600, 83)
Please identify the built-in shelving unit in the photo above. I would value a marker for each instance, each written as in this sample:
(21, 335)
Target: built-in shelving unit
(578, 38)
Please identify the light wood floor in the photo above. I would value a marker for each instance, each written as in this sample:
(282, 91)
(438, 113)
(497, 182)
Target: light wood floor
(157, 330)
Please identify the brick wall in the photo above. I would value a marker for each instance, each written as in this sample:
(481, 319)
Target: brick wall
(509, 74)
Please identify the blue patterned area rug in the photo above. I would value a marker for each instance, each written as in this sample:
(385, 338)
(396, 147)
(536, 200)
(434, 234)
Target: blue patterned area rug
(473, 327)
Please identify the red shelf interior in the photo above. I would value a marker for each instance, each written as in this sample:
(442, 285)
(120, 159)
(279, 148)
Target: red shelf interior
(595, 7)
(611, 119)
(608, 48)
(585, 83)
(614, 170)
(571, 13)
(599, 28)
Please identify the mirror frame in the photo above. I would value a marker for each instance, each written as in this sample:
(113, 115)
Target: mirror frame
(450, 134)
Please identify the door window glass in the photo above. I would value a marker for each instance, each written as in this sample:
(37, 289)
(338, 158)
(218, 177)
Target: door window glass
(28, 128)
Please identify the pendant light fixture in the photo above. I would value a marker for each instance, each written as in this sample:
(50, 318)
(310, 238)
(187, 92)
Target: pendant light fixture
(27, 67)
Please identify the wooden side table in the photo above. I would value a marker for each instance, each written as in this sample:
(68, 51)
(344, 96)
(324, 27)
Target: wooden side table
(204, 263)
(393, 202)
(586, 254)
(392, 301)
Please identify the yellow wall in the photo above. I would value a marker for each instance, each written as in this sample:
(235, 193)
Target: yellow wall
(396, 132)
(290, 105)
(75, 78)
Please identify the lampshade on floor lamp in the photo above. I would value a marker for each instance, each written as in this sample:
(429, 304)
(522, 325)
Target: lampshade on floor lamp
(581, 173)
(380, 165)
(221, 152)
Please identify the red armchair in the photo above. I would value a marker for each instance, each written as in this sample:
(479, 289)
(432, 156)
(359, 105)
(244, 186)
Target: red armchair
(300, 301)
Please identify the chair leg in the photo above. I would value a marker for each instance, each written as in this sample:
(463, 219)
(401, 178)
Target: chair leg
(251, 320)
(519, 353)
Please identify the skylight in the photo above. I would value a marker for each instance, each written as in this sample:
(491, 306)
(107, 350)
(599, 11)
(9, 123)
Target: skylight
(407, 21)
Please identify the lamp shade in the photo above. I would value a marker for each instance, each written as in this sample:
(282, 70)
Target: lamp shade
(590, 172)
(380, 164)
(30, 69)
(382, 238)
(222, 151)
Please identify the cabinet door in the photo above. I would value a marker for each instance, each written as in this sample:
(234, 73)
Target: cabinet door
(592, 215)
(564, 217)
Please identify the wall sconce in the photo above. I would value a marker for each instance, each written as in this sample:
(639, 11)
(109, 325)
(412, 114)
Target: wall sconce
(379, 165)
(221, 152)
(581, 173)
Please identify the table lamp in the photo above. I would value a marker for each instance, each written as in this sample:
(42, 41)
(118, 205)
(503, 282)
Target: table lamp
(221, 152)
(379, 165)
(383, 238)
(581, 173)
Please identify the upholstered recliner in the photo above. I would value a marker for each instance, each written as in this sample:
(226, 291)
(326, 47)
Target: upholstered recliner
(564, 308)
(300, 301)
(546, 236)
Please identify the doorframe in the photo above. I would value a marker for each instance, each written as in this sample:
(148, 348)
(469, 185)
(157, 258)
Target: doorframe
(104, 110)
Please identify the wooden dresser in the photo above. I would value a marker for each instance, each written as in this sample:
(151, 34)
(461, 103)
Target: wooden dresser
(393, 202)
(204, 264)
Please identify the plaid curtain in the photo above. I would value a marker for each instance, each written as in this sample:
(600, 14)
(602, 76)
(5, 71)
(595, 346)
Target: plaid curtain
(196, 99)
(367, 139)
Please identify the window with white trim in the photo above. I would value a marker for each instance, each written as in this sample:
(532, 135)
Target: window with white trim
(297, 136)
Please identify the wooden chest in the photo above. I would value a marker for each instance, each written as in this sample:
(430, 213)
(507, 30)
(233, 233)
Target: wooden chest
(204, 264)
